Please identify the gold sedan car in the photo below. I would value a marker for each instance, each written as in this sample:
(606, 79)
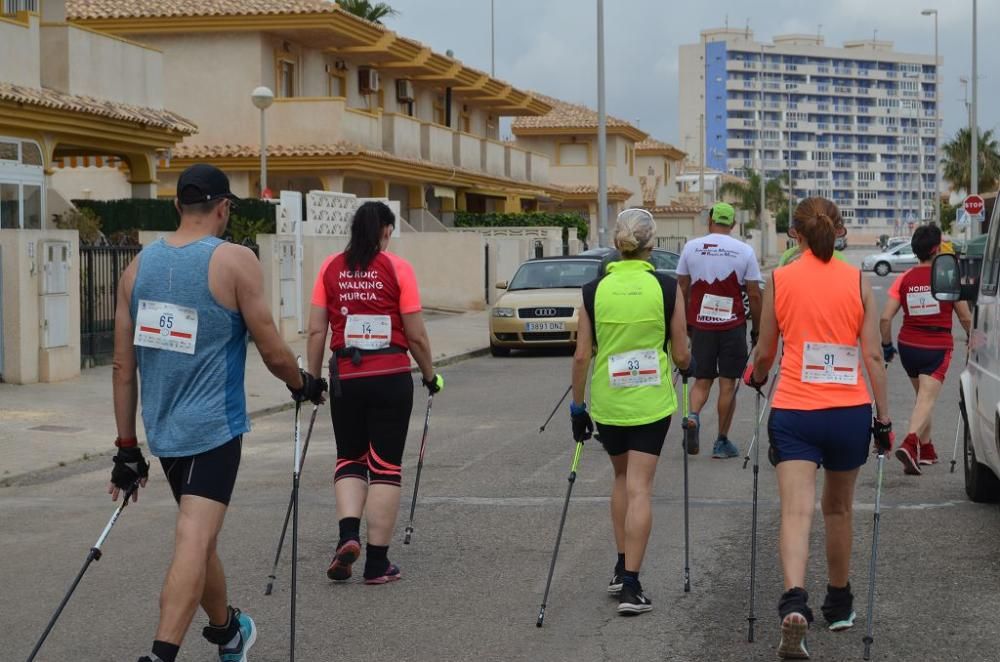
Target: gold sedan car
(539, 306)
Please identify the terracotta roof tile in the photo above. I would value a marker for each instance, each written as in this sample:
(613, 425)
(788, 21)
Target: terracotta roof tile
(104, 9)
(591, 189)
(48, 98)
(652, 144)
(565, 115)
(676, 207)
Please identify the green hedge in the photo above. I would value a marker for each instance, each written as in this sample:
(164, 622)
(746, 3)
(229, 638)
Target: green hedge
(465, 219)
(152, 214)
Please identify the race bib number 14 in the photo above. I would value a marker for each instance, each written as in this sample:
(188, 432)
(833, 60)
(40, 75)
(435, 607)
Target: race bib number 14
(165, 326)
(368, 331)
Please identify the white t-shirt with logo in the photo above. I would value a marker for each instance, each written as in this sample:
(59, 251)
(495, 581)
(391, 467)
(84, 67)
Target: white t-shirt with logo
(719, 267)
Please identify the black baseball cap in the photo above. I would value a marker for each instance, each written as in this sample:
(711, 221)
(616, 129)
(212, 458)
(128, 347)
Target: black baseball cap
(203, 183)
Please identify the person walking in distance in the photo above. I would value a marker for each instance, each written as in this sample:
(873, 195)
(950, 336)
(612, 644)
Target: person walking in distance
(925, 344)
(713, 272)
(633, 319)
(821, 412)
(368, 300)
(184, 307)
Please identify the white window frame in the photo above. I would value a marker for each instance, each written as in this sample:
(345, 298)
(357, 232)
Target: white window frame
(21, 175)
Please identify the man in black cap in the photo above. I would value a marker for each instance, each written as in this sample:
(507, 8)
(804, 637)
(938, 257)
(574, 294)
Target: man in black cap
(184, 308)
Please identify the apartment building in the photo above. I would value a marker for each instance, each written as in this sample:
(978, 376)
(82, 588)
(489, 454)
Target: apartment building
(857, 124)
(357, 109)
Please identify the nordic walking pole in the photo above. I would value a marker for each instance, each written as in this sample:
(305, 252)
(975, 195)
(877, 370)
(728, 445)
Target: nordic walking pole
(296, 470)
(558, 405)
(954, 452)
(420, 466)
(755, 439)
(687, 537)
(288, 513)
(752, 617)
(562, 521)
(868, 640)
(93, 555)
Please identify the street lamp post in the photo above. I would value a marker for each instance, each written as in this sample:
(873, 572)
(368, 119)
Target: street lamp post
(262, 98)
(937, 120)
(602, 133)
(974, 121)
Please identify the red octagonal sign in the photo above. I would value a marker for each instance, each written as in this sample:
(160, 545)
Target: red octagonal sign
(974, 205)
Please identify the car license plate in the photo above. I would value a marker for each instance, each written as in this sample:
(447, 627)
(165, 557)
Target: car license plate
(545, 326)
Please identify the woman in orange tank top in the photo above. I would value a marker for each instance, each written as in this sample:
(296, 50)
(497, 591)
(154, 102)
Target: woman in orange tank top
(822, 309)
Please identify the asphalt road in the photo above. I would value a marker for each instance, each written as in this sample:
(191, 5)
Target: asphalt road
(490, 499)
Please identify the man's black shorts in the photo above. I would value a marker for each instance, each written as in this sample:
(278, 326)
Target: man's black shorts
(211, 474)
(648, 438)
(719, 353)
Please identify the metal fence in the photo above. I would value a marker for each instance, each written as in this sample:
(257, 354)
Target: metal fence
(11, 7)
(100, 269)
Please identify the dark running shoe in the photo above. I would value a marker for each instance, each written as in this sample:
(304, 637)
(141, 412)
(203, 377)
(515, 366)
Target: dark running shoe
(691, 440)
(149, 658)
(793, 609)
(347, 553)
(391, 574)
(632, 601)
(838, 608)
(615, 587)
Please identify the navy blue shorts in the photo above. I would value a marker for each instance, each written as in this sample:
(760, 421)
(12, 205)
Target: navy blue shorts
(921, 361)
(836, 439)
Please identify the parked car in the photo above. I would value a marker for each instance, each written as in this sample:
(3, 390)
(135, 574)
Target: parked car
(663, 260)
(979, 387)
(898, 258)
(539, 307)
(840, 243)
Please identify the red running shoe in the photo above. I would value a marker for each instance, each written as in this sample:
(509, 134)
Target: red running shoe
(347, 554)
(391, 574)
(909, 454)
(927, 454)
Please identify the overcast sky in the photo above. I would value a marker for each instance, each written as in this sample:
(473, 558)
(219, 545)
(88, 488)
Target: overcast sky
(550, 45)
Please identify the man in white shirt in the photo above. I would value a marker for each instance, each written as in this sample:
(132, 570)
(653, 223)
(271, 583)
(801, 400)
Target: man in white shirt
(713, 273)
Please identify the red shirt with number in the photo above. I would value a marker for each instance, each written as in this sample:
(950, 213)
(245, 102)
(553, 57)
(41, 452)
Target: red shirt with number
(926, 321)
(387, 287)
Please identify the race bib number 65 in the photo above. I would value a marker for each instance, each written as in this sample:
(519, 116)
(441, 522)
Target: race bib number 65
(166, 326)
(824, 363)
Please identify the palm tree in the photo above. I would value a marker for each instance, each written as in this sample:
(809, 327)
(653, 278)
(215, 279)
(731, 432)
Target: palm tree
(957, 160)
(370, 11)
(748, 195)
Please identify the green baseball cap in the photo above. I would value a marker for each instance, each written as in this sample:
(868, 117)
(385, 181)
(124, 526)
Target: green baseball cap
(722, 213)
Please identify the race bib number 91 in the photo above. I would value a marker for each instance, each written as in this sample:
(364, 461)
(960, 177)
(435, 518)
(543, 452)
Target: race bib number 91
(368, 331)
(824, 363)
(637, 368)
(166, 326)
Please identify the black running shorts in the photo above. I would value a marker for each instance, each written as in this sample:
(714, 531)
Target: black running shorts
(719, 353)
(370, 421)
(648, 438)
(211, 474)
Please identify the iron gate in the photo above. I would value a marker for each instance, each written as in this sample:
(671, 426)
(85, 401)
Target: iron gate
(100, 269)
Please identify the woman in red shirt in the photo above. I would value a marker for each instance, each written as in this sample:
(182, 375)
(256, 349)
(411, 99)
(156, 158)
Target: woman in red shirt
(368, 299)
(925, 344)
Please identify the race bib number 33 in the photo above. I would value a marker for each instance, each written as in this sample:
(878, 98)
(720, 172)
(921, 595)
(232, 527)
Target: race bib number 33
(824, 363)
(166, 326)
(637, 368)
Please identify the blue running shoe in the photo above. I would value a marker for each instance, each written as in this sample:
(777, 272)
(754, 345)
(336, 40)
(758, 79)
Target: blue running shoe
(248, 636)
(724, 449)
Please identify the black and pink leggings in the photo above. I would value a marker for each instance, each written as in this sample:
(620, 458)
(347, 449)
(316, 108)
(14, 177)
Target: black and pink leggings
(370, 420)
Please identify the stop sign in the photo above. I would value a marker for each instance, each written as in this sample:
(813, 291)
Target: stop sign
(974, 205)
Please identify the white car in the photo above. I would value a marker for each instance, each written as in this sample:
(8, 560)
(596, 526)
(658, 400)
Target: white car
(897, 258)
(979, 390)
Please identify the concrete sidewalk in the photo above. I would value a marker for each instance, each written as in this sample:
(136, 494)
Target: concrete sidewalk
(48, 425)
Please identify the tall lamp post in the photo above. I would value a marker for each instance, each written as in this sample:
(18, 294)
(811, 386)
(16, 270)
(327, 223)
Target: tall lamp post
(973, 112)
(937, 120)
(262, 98)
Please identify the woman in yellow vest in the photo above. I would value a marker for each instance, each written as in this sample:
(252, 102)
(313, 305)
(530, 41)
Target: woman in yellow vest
(821, 416)
(632, 321)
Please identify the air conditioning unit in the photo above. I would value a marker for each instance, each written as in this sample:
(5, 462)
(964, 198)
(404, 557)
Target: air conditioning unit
(368, 81)
(404, 90)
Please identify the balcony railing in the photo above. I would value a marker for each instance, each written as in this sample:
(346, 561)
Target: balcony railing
(12, 7)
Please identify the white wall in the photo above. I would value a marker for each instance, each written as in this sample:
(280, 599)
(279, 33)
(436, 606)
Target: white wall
(90, 183)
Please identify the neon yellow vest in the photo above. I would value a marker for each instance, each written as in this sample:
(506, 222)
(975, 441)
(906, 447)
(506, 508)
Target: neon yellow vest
(629, 316)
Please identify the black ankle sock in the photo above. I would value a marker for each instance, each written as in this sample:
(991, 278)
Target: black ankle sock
(350, 529)
(620, 564)
(376, 560)
(164, 651)
(632, 576)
